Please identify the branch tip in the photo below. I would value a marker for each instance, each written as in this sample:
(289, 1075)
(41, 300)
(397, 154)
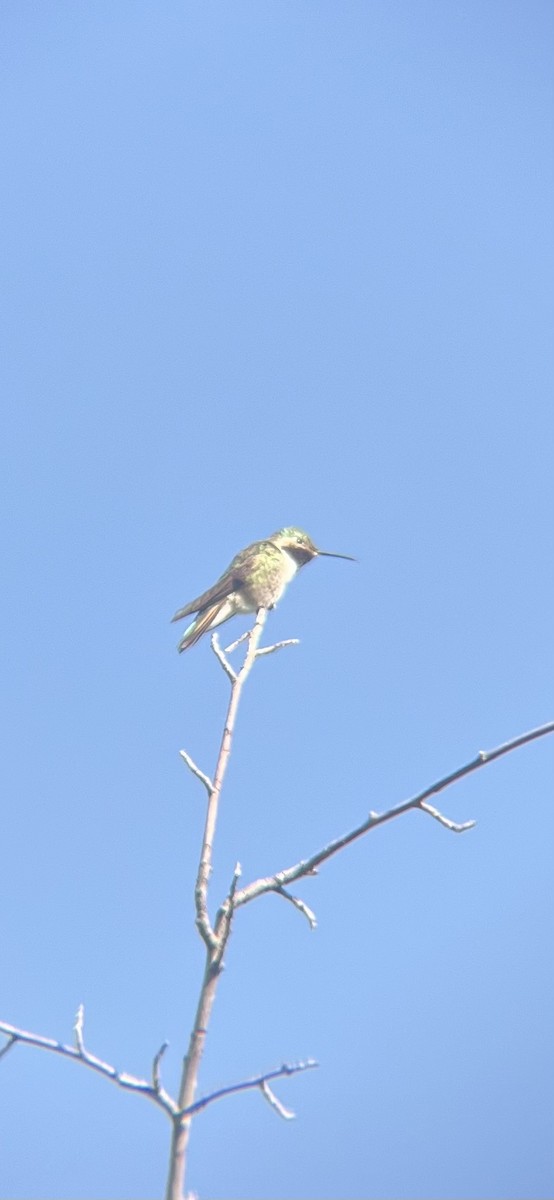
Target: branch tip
(237, 642)
(156, 1065)
(222, 659)
(201, 775)
(454, 826)
(277, 646)
(300, 905)
(286, 1113)
(79, 1029)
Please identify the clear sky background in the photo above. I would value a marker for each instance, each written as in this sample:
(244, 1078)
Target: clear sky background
(273, 263)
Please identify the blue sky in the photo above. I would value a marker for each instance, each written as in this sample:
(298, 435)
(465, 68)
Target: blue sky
(268, 264)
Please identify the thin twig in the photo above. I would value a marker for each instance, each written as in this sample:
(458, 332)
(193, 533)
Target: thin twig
(225, 915)
(308, 866)
(156, 1068)
(249, 1084)
(220, 655)
(300, 905)
(79, 1030)
(277, 646)
(205, 779)
(286, 1113)
(238, 642)
(228, 903)
(448, 824)
(234, 882)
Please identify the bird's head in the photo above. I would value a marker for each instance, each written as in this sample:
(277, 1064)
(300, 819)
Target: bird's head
(299, 545)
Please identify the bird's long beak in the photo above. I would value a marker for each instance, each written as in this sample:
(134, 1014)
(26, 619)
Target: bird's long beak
(329, 554)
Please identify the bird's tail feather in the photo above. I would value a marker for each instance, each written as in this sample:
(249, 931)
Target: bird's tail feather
(200, 625)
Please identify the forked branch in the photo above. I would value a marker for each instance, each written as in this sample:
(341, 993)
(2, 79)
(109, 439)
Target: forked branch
(260, 1081)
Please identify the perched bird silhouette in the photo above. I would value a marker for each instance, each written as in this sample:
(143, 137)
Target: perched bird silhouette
(256, 578)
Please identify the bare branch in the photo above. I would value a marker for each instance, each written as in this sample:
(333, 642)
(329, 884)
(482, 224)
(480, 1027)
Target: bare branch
(204, 869)
(243, 638)
(486, 756)
(79, 1029)
(214, 939)
(130, 1082)
(225, 915)
(236, 876)
(281, 879)
(271, 1098)
(448, 824)
(300, 905)
(205, 779)
(228, 904)
(259, 653)
(260, 1081)
(156, 1067)
(277, 646)
(220, 655)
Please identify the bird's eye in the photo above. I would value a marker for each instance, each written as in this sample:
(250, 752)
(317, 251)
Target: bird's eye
(299, 540)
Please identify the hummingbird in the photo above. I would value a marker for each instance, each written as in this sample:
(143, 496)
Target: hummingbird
(256, 578)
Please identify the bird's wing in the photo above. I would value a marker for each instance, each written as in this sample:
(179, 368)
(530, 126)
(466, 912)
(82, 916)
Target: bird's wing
(232, 578)
(214, 595)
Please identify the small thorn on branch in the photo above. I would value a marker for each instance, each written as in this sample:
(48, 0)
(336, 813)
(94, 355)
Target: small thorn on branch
(448, 824)
(201, 775)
